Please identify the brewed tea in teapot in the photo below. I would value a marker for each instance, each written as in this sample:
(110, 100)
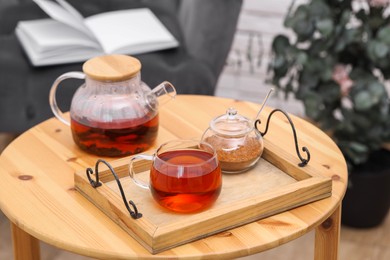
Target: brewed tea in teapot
(113, 113)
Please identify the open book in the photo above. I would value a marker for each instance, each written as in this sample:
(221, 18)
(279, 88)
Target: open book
(69, 37)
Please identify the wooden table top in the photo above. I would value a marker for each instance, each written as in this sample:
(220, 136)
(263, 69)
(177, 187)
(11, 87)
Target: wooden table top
(37, 187)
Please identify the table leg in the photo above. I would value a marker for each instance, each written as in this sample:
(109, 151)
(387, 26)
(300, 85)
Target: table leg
(327, 237)
(26, 247)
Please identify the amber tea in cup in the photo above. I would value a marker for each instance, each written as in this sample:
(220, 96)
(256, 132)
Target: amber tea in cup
(185, 175)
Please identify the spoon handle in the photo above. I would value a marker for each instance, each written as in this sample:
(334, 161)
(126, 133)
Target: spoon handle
(264, 102)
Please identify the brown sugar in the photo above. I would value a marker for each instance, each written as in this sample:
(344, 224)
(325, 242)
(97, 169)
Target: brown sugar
(236, 158)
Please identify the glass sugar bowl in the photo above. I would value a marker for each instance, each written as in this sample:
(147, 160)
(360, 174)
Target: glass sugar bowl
(238, 144)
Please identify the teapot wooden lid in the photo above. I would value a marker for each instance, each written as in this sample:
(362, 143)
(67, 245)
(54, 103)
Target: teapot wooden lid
(112, 67)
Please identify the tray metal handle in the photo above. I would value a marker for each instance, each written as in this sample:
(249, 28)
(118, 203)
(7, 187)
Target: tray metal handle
(96, 183)
(304, 161)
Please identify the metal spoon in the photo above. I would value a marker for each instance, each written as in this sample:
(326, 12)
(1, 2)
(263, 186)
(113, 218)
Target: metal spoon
(264, 102)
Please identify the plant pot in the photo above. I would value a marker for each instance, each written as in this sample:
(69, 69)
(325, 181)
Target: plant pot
(367, 200)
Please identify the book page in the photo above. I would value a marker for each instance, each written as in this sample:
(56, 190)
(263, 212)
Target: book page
(48, 41)
(64, 13)
(130, 31)
(71, 10)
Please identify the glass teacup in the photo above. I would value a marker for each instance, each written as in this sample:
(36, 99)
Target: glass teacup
(185, 175)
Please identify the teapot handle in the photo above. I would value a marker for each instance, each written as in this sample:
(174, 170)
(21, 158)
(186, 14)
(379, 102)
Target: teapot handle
(52, 97)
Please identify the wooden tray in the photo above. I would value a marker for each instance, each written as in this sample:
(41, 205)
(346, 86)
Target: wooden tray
(275, 185)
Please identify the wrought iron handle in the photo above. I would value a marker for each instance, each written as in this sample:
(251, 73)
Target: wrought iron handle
(95, 183)
(304, 149)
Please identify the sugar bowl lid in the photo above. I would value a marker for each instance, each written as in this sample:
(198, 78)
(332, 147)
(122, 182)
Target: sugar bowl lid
(231, 124)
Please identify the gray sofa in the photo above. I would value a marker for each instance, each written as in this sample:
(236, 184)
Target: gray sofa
(204, 28)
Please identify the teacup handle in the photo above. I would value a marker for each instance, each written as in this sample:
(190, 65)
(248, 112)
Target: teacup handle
(132, 173)
(52, 97)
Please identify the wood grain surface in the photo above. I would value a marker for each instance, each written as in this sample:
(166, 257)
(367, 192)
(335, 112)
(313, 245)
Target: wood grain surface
(37, 190)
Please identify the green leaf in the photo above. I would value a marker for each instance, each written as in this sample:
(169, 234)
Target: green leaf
(384, 35)
(304, 29)
(352, 35)
(362, 100)
(313, 105)
(301, 13)
(326, 73)
(377, 91)
(280, 44)
(301, 23)
(347, 37)
(358, 147)
(327, 68)
(301, 58)
(340, 44)
(354, 151)
(381, 49)
(325, 27)
(314, 65)
(279, 61)
(319, 9)
(358, 152)
(367, 92)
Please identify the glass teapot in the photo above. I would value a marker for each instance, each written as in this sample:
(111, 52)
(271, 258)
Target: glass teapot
(113, 113)
(237, 143)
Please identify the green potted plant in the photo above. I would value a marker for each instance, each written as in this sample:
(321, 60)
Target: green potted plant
(337, 62)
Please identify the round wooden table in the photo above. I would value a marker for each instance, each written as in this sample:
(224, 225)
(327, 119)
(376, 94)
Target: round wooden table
(37, 191)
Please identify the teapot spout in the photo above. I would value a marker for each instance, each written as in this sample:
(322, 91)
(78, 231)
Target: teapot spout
(164, 92)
